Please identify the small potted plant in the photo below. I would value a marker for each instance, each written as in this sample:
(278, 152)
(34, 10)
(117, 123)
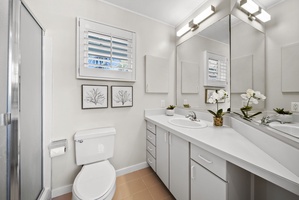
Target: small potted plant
(284, 116)
(217, 96)
(170, 110)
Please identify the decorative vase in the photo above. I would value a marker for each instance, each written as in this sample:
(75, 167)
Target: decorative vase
(169, 112)
(218, 121)
(285, 118)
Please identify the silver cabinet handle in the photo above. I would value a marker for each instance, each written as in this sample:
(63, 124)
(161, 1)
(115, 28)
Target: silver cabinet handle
(204, 159)
(149, 161)
(192, 172)
(149, 137)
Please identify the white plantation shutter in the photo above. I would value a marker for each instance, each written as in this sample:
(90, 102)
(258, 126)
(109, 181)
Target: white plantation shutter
(105, 52)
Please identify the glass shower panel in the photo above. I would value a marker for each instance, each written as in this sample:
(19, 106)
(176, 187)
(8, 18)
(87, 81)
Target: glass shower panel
(30, 107)
(3, 95)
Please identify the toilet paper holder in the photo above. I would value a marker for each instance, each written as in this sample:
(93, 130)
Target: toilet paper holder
(58, 148)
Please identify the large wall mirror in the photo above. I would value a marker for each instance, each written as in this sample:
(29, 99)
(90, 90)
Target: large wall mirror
(192, 68)
(263, 62)
(247, 63)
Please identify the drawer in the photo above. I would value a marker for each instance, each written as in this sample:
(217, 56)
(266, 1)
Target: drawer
(151, 137)
(151, 160)
(210, 161)
(151, 148)
(151, 127)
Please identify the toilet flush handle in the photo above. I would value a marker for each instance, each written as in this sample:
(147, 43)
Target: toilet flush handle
(80, 141)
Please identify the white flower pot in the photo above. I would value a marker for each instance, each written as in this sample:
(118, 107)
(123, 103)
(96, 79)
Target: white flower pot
(169, 112)
(285, 118)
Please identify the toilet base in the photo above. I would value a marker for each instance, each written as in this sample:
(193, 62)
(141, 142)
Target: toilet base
(108, 196)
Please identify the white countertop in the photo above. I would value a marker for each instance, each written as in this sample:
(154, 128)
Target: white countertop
(228, 144)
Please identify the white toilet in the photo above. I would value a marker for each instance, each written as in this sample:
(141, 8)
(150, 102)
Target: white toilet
(96, 180)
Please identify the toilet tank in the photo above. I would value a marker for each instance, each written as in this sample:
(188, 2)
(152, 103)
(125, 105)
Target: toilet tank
(94, 145)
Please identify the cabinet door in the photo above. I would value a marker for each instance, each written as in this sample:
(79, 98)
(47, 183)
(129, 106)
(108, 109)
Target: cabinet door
(162, 158)
(205, 185)
(179, 167)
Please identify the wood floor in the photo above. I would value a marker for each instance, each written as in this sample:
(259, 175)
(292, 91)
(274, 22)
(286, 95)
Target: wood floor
(139, 185)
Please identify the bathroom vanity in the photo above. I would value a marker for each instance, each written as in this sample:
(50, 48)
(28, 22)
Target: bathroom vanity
(215, 162)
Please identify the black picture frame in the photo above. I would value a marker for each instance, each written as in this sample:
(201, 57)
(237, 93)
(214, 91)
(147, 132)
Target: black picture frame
(121, 96)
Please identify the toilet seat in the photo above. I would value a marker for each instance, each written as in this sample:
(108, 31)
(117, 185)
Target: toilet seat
(95, 181)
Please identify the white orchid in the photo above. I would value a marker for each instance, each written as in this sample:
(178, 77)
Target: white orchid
(217, 96)
(252, 97)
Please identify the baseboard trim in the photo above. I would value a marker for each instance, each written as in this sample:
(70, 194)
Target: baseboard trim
(62, 190)
(131, 168)
(68, 188)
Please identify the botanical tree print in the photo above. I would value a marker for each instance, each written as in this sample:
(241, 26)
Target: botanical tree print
(95, 96)
(122, 97)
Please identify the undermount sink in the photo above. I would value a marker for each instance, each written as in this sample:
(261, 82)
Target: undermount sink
(187, 123)
(291, 129)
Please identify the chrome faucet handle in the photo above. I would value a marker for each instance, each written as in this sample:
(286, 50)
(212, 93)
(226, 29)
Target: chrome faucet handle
(265, 120)
(191, 116)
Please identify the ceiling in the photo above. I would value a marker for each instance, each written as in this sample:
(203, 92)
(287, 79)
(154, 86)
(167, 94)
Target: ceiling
(171, 12)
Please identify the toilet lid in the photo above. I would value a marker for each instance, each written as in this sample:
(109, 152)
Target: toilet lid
(94, 180)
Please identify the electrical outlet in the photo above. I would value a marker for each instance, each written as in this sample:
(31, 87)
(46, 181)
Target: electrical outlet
(295, 106)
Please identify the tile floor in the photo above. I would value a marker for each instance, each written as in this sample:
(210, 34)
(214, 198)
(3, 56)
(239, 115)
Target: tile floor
(139, 185)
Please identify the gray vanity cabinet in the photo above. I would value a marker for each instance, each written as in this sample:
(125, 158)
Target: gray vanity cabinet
(151, 145)
(172, 163)
(208, 176)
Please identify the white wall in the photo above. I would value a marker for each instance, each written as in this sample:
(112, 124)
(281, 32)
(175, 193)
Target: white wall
(283, 29)
(154, 38)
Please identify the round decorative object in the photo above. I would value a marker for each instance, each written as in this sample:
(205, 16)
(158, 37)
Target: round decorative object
(169, 112)
(218, 121)
(285, 118)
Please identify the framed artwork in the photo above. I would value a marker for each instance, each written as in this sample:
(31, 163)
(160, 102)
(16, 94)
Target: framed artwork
(94, 96)
(121, 96)
(209, 93)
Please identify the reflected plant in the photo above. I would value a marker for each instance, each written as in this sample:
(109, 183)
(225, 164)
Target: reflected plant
(252, 97)
(122, 97)
(95, 96)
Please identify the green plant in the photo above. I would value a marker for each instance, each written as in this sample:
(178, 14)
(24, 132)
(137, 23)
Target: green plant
(186, 105)
(282, 112)
(170, 107)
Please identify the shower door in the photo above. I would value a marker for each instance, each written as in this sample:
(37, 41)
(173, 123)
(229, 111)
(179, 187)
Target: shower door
(30, 108)
(3, 95)
(21, 151)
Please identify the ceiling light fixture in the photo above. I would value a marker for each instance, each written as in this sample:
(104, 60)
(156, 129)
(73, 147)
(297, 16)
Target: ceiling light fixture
(193, 24)
(249, 6)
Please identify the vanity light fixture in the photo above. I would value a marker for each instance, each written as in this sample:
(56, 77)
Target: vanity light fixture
(204, 15)
(249, 6)
(263, 16)
(254, 11)
(193, 24)
(183, 30)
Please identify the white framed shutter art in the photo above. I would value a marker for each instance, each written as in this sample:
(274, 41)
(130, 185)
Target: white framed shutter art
(105, 52)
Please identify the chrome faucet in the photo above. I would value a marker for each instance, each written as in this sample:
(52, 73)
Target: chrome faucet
(267, 120)
(192, 116)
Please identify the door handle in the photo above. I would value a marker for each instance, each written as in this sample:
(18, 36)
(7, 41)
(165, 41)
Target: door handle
(5, 119)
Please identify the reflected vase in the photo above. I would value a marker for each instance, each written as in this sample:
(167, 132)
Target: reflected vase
(218, 121)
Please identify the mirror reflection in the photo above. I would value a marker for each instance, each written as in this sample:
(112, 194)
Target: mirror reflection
(203, 66)
(247, 63)
(265, 63)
